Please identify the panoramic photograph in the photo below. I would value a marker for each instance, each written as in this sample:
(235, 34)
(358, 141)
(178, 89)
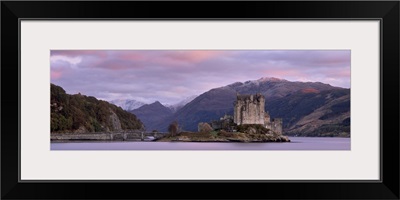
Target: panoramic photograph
(200, 100)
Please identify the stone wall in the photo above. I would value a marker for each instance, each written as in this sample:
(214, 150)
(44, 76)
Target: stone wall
(276, 125)
(115, 122)
(101, 136)
(134, 136)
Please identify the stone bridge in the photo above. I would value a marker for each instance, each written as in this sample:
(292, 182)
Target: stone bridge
(124, 136)
(137, 136)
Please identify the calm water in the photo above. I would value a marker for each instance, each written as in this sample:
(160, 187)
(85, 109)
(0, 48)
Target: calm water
(297, 143)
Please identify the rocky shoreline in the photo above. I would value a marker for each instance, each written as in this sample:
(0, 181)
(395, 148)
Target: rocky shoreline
(248, 133)
(224, 137)
(180, 137)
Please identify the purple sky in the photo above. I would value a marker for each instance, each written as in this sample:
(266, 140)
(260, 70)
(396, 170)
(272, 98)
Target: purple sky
(170, 76)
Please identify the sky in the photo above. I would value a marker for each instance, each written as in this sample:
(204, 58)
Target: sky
(169, 76)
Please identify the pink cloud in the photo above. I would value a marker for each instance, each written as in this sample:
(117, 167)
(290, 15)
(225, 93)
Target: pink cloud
(125, 59)
(345, 72)
(336, 57)
(169, 74)
(192, 56)
(132, 56)
(117, 66)
(281, 73)
(198, 56)
(55, 74)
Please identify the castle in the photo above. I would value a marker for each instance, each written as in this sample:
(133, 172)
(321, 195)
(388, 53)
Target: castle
(250, 109)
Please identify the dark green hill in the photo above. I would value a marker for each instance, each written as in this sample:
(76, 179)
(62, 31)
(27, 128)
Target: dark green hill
(81, 114)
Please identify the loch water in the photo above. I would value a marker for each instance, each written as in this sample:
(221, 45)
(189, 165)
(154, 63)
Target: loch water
(297, 143)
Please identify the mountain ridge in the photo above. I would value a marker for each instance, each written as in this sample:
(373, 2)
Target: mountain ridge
(127, 104)
(151, 114)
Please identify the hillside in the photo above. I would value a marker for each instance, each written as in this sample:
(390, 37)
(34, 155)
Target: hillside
(325, 113)
(81, 114)
(308, 109)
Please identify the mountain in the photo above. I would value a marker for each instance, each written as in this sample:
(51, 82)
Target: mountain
(151, 114)
(131, 104)
(179, 105)
(307, 108)
(273, 88)
(127, 104)
(81, 114)
(304, 113)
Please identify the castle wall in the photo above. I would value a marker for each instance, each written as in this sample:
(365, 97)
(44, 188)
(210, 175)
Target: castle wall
(276, 125)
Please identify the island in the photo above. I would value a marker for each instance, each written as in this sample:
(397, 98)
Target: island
(250, 123)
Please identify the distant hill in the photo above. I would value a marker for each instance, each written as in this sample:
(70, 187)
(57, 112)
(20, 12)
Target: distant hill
(127, 104)
(131, 104)
(151, 114)
(80, 114)
(307, 108)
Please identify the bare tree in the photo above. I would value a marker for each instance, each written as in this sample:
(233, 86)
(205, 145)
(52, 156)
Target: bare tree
(173, 128)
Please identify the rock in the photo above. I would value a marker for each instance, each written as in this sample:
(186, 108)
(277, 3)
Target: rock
(115, 122)
(251, 130)
(182, 139)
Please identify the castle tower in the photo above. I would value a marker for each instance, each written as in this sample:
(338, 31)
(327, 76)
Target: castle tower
(267, 120)
(249, 109)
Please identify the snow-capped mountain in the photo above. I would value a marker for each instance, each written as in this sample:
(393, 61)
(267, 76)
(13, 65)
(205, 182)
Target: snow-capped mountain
(127, 104)
(175, 107)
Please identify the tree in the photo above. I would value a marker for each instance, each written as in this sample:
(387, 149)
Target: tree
(173, 128)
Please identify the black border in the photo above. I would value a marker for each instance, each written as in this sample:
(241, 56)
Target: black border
(386, 11)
